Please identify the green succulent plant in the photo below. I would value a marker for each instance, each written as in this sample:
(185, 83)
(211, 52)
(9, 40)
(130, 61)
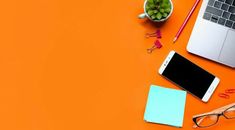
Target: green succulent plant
(158, 9)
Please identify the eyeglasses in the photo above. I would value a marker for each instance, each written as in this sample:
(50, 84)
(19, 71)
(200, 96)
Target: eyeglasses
(211, 118)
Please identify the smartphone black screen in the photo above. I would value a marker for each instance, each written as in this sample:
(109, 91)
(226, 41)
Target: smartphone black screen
(188, 75)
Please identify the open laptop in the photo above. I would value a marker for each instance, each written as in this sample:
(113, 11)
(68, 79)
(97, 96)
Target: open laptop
(213, 36)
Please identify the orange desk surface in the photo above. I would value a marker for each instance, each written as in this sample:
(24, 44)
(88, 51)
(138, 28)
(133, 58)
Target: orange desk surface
(83, 65)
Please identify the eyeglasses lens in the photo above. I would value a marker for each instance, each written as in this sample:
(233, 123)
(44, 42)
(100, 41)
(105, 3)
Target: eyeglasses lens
(230, 113)
(207, 120)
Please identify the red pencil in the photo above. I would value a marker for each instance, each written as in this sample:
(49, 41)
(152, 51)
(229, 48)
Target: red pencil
(186, 20)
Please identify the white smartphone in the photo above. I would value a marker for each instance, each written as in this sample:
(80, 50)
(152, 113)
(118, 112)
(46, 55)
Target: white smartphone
(189, 76)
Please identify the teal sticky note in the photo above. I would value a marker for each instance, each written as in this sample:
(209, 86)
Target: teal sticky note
(165, 106)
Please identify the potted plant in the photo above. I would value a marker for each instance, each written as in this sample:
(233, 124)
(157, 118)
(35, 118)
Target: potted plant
(157, 10)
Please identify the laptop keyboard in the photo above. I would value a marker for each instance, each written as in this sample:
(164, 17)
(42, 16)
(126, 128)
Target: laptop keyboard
(221, 12)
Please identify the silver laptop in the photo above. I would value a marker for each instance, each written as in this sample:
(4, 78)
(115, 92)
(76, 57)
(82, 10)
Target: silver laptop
(213, 36)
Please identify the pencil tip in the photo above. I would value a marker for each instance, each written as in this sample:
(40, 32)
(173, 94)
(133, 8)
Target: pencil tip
(174, 39)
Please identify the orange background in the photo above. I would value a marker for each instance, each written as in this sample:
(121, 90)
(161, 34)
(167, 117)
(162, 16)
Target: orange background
(82, 64)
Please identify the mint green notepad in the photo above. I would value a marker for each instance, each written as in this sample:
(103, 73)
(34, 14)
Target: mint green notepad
(165, 106)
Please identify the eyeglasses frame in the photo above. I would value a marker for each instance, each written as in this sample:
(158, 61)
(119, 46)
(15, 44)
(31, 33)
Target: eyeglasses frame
(218, 112)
